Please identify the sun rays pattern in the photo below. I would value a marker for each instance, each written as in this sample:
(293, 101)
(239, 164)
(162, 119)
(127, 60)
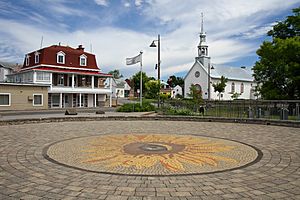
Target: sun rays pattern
(172, 152)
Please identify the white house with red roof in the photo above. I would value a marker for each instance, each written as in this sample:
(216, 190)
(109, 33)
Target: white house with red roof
(73, 76)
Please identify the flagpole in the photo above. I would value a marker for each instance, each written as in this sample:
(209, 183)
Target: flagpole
(141, 82)
(132, 61)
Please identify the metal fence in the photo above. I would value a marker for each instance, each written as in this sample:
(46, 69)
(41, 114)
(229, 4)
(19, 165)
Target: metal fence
(265, 109)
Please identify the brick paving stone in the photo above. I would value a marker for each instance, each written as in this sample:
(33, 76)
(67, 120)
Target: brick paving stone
(163, 194)
(30, 197)
(153, 194)
(26, 174)
(153, 198)
(135, 198)
(257, 192)
(126, 189)
(116, 197)
(211, 197)
(165, 189)
(180, 194)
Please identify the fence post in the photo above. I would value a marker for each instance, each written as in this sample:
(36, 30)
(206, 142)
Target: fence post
(284, 113)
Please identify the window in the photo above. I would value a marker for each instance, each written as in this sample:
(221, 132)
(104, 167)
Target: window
(37, 100)
(83, 60)
(242, 88)
(36, 57)
(61, 57)
(5, 99)
(42, 76)
(232, 87)
(55, 100)
(27, 60)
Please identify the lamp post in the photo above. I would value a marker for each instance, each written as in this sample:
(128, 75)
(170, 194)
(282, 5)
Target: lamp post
(158, 64)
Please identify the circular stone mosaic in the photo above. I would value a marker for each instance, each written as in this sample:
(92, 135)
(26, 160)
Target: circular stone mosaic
(151, 154)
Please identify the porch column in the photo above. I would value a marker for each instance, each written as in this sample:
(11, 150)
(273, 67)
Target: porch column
(34, 77)
(95, 100)
(60, 100)
(51, 81)
(110, 97)
(79, 100)
(73, 81)
(93, 80)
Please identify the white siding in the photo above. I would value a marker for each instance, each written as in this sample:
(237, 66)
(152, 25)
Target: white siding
(190, 79)
(177, 90)
(227, 94)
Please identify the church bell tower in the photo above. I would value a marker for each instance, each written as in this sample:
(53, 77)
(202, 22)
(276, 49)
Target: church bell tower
(203, 47)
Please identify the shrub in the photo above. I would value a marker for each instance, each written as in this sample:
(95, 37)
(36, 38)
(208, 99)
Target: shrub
(136, 107)
(174, 111)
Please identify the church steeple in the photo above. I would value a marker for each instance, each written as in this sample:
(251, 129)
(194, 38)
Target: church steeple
(202, 47)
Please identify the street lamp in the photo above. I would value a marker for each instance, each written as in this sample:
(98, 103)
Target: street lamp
(158, 64)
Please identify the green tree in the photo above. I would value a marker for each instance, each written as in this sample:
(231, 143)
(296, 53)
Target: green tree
(220, 86)
(175, 80)
(278, 70)
(287, 28)
(152, 87)
(116, 74)
(135, 81)
(235, 95)
(196, 95)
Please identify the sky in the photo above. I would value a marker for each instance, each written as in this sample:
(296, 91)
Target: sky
(114, 30)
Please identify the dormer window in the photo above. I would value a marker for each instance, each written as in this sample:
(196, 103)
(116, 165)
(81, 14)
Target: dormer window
(27, 60)
(61, 57)
(83, 60)
(36, 57)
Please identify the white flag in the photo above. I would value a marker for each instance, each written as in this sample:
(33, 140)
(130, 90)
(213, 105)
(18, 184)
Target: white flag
(134, 60)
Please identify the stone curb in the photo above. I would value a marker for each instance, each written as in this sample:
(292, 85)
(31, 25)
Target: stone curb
(295, 124)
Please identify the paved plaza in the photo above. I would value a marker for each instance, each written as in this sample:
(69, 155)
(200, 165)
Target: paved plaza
(37, 163)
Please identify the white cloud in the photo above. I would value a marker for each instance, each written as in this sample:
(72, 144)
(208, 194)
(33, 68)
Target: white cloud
(256, 32)
(102, 2)
(138, 2)
(232, 28)
(127, 4)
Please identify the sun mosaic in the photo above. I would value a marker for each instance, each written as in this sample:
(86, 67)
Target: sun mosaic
(151, 154)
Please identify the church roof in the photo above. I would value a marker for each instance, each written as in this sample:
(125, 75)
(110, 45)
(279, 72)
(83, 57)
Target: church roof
(233, 73)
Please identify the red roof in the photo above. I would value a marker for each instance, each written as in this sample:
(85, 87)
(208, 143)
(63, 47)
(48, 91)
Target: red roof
(60, 70)
(48, 56)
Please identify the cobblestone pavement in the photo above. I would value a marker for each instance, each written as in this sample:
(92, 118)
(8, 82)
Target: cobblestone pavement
(26, 174)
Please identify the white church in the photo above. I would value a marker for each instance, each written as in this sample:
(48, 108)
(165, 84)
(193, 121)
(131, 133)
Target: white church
(203, 75)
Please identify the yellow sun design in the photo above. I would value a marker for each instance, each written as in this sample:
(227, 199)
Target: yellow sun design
(172, 152)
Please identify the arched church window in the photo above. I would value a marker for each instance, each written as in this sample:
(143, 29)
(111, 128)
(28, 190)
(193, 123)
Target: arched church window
(232, 87)
(198, 88)
(242, 88)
